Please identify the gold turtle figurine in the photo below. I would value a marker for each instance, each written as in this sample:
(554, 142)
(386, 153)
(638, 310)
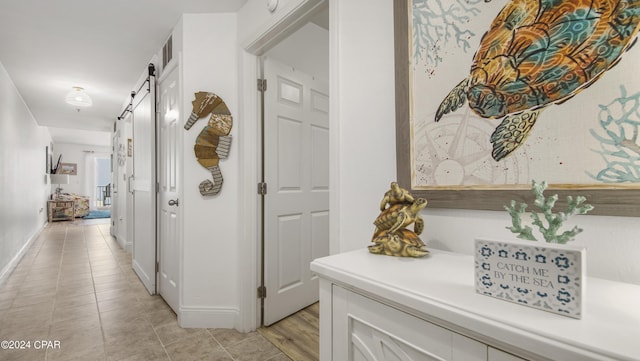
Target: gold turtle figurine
(391, 236)
(395, 195)
(401, 215)
(401, 243)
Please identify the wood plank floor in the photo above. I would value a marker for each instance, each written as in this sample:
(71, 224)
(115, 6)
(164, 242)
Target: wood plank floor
(297, 336)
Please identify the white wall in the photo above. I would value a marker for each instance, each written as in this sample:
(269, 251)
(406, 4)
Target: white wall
(254, 18)
(366, 146)
(306, 50)
(365, 116)
(80, 136)
(24, 187)
(612, 242)
(83, 155)
(209, 283)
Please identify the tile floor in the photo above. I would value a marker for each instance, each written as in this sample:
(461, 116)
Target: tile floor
(75, 286)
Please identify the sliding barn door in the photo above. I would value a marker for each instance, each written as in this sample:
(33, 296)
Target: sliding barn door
(143, 186)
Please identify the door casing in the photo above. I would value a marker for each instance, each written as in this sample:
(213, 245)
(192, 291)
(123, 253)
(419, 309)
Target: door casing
(296, 206)
(284, 23)
(169, 252)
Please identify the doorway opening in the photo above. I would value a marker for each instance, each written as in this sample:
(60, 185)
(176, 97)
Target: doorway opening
(295, 166)
(102, 186)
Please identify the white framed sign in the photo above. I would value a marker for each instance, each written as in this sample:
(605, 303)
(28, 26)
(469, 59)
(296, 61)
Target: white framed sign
(541, 275)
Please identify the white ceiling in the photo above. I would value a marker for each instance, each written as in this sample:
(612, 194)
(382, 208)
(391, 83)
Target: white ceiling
(103, 46)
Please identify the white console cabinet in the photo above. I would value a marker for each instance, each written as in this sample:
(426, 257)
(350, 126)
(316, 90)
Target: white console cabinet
(377, 308)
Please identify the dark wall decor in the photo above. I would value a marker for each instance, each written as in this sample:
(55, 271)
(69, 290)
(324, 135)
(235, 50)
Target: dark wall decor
(491, 96)
(47, 160)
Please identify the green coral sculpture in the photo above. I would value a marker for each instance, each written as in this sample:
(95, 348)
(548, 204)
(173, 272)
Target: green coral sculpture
(554, 220)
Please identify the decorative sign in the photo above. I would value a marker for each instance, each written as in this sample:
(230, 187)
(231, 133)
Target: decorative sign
(541, 275)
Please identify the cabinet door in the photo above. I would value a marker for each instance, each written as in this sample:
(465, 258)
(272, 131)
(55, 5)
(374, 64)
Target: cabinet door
(366, 330)
(465, 348)
(497, 355)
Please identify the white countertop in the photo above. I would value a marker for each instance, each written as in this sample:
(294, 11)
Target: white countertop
(440, 287)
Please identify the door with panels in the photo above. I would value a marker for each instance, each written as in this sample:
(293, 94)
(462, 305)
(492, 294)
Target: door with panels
(296, 167)
(169, 236)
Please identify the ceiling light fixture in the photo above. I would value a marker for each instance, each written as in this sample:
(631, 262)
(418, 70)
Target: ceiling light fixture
(78, 97)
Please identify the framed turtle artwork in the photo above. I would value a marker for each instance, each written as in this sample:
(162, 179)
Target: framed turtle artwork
(492, 95)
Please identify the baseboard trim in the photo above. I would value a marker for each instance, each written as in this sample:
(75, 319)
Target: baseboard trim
(207, 317)
(122, 242)
(8, 269)
(147, 282)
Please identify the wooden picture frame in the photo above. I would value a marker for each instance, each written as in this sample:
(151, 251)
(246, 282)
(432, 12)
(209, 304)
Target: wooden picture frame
(68, 168)
(613, 199)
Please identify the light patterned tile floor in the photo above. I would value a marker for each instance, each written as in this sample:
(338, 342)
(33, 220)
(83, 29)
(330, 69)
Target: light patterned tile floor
(74, 297)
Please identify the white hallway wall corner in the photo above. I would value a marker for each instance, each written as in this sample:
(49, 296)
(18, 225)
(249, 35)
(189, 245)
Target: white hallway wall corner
(24, 186)
(210, 224)
(205, 45)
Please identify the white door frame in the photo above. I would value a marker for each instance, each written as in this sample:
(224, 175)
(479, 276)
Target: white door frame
(288, 20)
(174, 65)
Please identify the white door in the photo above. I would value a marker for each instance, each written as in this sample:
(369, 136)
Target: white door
(169, 213)
(297, 176)
(115, 175)
(143, 187)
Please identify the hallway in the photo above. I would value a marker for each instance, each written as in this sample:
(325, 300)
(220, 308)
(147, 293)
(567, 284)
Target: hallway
(75, 289)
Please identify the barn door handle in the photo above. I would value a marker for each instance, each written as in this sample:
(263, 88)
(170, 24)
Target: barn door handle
(173, 202)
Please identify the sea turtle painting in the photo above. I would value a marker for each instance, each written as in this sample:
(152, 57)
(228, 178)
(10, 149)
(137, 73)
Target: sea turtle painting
(537, 53)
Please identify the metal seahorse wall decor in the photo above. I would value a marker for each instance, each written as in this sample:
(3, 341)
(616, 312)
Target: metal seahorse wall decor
(213, 142)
